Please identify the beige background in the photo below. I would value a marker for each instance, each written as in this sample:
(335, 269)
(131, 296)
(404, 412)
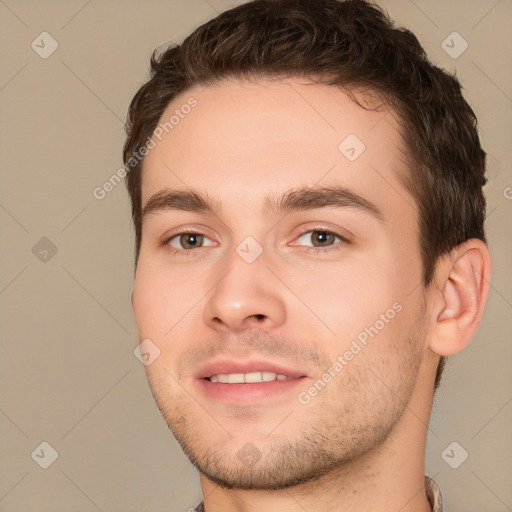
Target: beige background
(68, 373)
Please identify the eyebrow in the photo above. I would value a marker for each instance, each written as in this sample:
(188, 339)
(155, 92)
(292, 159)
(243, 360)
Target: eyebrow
(310, 198)
(184, 200)
(297, 199)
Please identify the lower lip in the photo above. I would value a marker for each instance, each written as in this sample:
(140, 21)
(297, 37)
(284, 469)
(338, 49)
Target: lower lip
(248, 393)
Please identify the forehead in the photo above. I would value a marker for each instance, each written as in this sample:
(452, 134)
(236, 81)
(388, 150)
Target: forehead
(242, 140)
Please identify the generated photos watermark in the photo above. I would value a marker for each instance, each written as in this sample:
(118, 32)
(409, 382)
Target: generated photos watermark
(164, 127)
(356, 346)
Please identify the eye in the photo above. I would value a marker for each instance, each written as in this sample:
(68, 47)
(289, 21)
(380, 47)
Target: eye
(320, 238)
(187, 241)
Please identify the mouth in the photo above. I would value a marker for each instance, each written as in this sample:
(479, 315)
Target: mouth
(232, 371)
(248, 378)
(247, 382)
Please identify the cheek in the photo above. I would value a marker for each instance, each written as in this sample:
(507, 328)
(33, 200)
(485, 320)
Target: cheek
(153, 301)
(346, 299)
(162, 299)
(161, 311)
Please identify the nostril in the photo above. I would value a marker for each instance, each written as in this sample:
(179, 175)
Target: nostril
(260, 317)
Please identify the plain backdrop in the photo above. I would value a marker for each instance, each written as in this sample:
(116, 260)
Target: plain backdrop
(69, 377)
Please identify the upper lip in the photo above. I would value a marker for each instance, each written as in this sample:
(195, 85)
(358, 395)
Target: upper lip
(227, 366)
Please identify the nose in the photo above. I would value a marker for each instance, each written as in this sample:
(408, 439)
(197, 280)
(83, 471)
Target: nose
(246, 296)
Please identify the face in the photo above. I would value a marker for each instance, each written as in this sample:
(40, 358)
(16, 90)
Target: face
(280, 278)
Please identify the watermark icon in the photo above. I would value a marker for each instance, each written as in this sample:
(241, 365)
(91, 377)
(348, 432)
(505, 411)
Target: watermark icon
(507, 192)
(454, 455)
(351, 147)
(44, 45)
(44, 455)
(249, 249)
(454, 45)
(137, 157)
(146, 352)
(356, 346)
(44, 250)
(249, 454)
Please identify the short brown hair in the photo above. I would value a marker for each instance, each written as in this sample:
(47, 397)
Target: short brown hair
(351, 44)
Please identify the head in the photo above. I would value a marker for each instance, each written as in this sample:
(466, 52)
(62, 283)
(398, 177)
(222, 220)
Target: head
(263, 97)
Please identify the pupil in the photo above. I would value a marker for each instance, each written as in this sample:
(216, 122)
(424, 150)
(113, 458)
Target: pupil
(190, 240)
(323, 237)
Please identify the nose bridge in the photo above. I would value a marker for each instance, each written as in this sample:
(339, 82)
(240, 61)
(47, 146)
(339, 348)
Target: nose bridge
(245, 294)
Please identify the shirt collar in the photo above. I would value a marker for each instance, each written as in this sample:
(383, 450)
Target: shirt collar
(434, 495)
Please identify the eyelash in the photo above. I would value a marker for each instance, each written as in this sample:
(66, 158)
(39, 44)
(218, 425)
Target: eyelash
(312, 249)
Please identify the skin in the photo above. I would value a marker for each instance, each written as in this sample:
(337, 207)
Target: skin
(359, 443)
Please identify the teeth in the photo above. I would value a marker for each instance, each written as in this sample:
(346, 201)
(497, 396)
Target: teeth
(236, 378)
(239, 378)
(252, 377)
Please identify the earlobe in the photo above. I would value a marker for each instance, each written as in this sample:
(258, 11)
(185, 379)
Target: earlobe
(463, 288)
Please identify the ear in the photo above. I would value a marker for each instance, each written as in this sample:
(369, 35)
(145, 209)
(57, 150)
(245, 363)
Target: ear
(461, 287)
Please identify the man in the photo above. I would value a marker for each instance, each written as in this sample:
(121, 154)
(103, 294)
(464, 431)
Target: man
(306, 191)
